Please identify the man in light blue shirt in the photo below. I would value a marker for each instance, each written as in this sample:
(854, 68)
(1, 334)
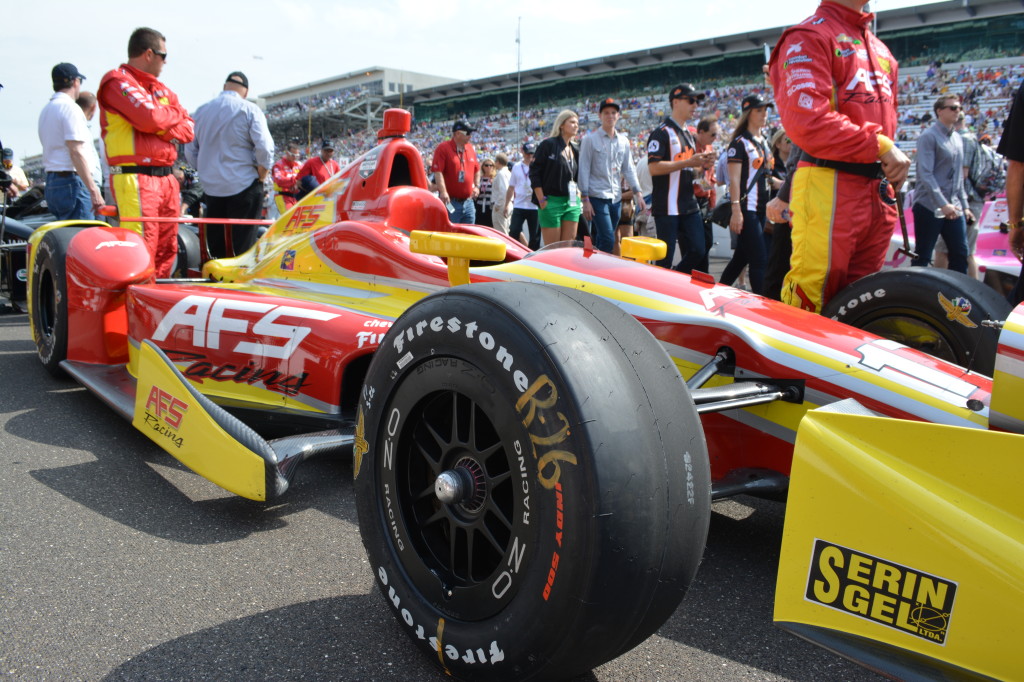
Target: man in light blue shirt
(940, 200)
(232, 152)
(604, 160)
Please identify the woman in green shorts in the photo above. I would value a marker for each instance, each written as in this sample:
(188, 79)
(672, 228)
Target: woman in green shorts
(553, 176)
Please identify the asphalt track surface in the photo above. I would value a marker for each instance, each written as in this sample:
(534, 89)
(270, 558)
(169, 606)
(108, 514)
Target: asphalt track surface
(116, 563)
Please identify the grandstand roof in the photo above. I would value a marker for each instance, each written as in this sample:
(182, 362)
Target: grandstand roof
(921, 16)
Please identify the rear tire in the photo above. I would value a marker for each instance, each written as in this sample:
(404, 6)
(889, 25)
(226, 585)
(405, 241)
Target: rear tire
(935, 311)
(188, 261)
(49, 304)
(584, 472)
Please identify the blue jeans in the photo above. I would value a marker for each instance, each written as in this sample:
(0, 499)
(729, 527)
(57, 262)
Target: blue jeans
(606, 219)
(927, 229)
(67, 197)
(689, 231)
(515, 226)
(464, 213)
(751, 250)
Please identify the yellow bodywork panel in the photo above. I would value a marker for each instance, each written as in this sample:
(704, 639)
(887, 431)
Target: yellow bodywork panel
(459, 249)
(644, 249)
(174, 417)
(908, 534)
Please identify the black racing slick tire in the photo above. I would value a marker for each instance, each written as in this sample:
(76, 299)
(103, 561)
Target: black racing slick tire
(936, 311)
(532, 480)
(49, 303)
(188, 260)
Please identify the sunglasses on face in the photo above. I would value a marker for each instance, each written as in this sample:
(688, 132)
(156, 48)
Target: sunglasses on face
(162, 55)
(955, 107)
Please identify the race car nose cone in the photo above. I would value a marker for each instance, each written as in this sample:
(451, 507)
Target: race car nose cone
(451, 488)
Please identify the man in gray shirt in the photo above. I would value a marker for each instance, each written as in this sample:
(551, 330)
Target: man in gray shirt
(940, 200)
(232, 152)
(604, 160)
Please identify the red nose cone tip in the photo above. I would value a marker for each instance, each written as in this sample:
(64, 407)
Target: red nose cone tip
(397, 122)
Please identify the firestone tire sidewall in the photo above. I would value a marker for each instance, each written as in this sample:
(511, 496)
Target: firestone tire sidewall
(949, 301)
(543, 580)
(49, 298)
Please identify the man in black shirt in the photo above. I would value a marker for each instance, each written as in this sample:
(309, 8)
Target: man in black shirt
(674, 163)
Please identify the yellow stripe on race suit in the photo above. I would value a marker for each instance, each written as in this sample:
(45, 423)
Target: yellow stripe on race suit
(906, 533)
(933, 396)
(813, 206)
(120, 137)
(173, 418)
(129, 199)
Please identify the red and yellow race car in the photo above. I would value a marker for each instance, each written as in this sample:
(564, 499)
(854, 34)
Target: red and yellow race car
(537, 437)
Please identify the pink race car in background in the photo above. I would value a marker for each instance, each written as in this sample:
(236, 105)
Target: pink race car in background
(997, 266)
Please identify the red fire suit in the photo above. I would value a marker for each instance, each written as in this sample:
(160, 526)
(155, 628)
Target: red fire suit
(319, 169)
(286, 175)
(142, 124)
(835, 89)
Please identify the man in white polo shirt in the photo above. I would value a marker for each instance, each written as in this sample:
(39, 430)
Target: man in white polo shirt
(71, 193)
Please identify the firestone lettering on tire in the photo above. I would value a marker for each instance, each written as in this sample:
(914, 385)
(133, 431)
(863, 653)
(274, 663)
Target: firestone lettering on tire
(854, 302)
(493, 654)
(453, 325)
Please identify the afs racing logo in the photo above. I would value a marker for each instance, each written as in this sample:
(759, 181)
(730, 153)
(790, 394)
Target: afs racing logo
(164, 413)
(884, 592)
(957, 310)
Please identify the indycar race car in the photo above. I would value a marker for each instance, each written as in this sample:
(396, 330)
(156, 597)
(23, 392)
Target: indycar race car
(533, 473)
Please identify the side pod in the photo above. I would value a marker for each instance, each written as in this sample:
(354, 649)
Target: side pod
(903, 546)
(210, 441)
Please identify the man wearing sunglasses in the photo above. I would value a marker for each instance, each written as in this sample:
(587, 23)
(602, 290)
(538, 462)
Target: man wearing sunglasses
(143, 123)
(940, 198)
(835, 86)
(674, 162)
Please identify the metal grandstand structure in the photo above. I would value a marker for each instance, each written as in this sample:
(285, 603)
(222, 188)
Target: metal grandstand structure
(926, 31)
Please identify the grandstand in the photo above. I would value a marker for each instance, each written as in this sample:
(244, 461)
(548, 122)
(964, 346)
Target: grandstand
(979, 33)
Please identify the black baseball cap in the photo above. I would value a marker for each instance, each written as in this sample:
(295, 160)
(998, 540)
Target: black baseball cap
(463, 126)
(755, 101)
(326, 144)
(238, 78)
(609, 102)
(529, 148)
(63, 74)
(685, 90)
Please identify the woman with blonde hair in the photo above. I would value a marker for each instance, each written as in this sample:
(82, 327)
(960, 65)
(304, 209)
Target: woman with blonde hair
(553, 176)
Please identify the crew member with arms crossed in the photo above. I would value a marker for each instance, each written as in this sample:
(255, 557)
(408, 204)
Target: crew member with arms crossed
(143, 123)
(835, 89)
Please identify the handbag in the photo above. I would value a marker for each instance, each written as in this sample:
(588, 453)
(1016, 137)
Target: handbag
(722, 213)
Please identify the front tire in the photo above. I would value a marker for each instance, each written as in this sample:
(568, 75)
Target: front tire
(49, 303)
(580, 491)
(933, 310)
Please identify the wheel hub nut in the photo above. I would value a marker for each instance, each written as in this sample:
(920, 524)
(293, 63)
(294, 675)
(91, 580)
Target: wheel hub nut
(450, 488)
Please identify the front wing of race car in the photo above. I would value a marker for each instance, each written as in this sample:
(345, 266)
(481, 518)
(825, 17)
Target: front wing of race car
(903, 544)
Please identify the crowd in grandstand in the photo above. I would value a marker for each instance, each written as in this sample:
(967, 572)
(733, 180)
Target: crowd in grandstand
(985, 92)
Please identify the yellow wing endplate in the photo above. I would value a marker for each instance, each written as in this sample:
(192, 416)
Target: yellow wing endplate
(904, 544)
(195, 431)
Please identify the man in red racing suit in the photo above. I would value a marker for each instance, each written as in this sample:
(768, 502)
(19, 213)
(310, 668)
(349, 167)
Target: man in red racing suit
(835, 89)
(286, 177)
(142, 124)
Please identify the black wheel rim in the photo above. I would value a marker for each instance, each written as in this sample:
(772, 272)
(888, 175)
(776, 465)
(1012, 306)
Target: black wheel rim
(464, 557)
